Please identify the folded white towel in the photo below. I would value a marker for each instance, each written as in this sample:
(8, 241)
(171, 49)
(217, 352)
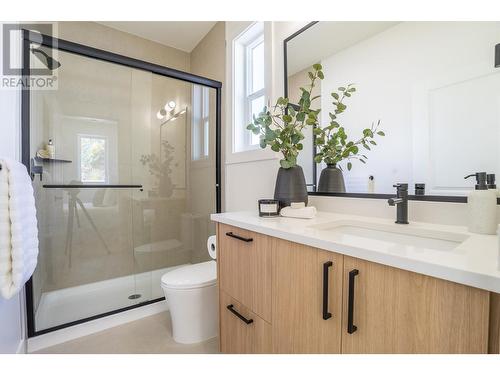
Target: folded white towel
(18, 228)
(300, 213)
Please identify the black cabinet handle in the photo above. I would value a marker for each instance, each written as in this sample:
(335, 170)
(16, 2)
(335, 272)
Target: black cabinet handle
(231, 234)
(326, 266)
(351, 328)
(231, 308)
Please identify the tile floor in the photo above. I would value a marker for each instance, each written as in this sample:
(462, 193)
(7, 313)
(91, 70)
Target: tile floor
(151, 335)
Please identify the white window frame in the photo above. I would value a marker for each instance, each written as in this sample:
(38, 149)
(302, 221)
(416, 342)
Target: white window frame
(242, 80)
(106, 157)
(250, 94)
(200, 137)
(236, 123)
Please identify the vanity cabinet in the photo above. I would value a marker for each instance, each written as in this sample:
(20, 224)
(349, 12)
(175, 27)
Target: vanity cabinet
(307, 299)
(389, 310)
(278, 296)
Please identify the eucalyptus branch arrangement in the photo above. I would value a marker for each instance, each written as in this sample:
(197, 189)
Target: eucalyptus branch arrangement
(331, 141)
(280, 127)
(157, 167)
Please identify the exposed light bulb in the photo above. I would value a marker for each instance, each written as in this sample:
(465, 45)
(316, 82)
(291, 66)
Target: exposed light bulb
(170, 106)
(161, 114)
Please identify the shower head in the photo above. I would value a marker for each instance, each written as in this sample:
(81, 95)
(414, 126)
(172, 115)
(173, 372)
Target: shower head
(48, 61)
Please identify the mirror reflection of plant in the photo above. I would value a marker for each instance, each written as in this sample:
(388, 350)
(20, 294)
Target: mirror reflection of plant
(281, 128)
(160, 168)
(331, 141)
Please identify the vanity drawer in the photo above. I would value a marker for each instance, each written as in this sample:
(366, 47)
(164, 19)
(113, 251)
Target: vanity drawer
(244, 260)
(242, 331)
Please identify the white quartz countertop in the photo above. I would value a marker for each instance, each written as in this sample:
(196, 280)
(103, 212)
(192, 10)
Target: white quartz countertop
(474, 262)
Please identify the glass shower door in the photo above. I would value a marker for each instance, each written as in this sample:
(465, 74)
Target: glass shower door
(175, 160)
(85, 194)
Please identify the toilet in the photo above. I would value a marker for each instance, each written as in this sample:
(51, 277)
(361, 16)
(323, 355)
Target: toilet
(191, 294)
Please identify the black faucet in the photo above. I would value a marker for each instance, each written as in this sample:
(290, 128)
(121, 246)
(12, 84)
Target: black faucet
(401, 202)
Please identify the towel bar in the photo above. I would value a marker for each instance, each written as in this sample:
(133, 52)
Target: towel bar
(74, 186)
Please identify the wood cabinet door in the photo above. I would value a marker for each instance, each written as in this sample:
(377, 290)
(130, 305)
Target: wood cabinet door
(494, 339)
(298, 324)
(242, 331)
(397, 311)
(244, 261)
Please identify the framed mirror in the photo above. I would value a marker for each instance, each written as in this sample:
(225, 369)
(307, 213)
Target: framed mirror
(434, 87)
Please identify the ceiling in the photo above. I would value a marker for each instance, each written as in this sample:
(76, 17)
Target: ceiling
(183, 35)
(327, 38)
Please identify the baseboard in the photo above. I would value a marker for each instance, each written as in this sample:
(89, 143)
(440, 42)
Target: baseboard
(84, 329)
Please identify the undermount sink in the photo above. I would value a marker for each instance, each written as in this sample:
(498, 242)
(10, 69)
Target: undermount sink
(392, 236)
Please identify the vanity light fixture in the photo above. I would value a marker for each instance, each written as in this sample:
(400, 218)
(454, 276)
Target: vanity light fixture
(170, 106)
(174, 117)
(497, 56)
(161, 114)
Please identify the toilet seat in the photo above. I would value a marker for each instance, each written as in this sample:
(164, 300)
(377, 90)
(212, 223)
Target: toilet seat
(190, 277)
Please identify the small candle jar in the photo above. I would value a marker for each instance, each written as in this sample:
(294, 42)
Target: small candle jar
(268, 207)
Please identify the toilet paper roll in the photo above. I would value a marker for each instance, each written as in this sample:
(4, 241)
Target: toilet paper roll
(212, 246)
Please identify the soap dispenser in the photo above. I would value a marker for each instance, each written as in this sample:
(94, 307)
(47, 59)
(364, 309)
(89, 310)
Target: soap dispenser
(482, 207)
(51, 149)
(490, 183)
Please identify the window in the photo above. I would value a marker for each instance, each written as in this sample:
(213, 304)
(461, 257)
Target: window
(201, 122)
(249, 85)
(255, 99)
(93, 155)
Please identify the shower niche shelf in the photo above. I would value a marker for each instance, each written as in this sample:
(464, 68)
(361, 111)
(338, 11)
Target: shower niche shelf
(50, 160)
(38, 169)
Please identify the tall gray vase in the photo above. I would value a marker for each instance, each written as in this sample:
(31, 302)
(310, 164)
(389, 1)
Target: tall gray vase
(331, 180)
(290, 186)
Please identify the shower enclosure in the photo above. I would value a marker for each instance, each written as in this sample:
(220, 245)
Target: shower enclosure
(128, 192)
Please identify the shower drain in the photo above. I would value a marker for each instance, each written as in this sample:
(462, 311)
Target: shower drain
(134, 296)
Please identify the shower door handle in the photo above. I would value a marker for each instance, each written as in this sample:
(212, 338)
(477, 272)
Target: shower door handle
(90, 186)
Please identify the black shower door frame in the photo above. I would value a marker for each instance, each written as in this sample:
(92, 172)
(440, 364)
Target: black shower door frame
(98, 54)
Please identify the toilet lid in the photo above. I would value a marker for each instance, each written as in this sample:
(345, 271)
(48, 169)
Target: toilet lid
(192, 276)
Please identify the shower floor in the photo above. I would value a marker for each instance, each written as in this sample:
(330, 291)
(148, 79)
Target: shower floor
(83, 301)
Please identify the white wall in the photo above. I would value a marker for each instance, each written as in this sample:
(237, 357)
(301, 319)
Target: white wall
(12, 310)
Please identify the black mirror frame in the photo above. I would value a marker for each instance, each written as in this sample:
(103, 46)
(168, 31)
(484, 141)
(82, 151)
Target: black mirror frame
(428, 198)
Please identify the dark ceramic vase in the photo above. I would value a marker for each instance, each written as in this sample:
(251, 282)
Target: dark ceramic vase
(290, 186)
(331, 180)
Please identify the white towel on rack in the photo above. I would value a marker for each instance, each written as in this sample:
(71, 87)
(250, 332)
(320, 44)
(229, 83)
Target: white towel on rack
(18, 228)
